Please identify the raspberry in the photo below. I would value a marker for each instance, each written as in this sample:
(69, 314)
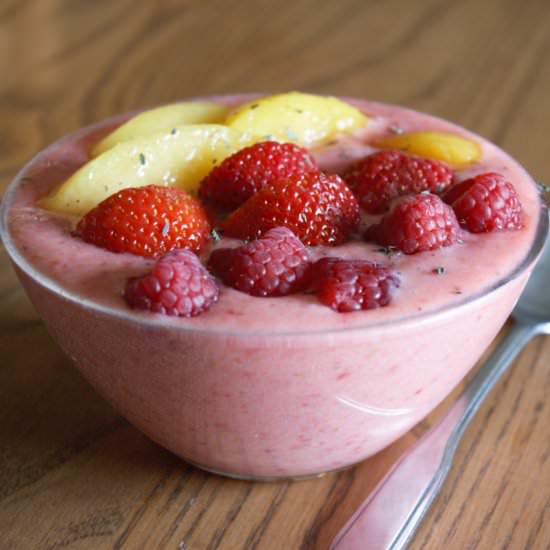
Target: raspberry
(178, 285)
(352, 285)
(385, 175)
(275, 265)
(244, 173)
(486, 202)
(417, 223)
(147, 221)
(319, 209)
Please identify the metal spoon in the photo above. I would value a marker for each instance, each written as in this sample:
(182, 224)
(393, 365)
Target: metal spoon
(392, 513)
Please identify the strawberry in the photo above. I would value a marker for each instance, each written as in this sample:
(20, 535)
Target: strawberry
(486, 202)
(245, 172)
(417, 223)
(277, 264)
(385, 175)
(146, 221)
(319, 209)
(352, 285)
(178, 285)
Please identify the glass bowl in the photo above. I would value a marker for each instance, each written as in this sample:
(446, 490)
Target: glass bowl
(266, 405)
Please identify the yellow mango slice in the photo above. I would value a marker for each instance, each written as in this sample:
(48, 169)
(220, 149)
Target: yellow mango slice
(180, 158)
(443, 146)
(296, 117)
(163, 118)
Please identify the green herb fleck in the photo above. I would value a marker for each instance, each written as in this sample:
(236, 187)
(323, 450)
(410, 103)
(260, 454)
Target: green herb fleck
(174, 131)
(142, 159)
(216, 234)
(269, 137)
(389, 250)
(165, 228)
(396, 130)
(254, 106)
(439, 270)
(299, 111)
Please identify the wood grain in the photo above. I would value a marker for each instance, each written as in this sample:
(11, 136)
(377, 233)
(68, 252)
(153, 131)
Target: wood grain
(73, 474)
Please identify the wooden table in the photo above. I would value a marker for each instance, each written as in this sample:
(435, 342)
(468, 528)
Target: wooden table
(73, 473)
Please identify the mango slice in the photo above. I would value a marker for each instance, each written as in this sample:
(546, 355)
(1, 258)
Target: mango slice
(449, 148)
(163, 118)
(296, 117)
(180, 158)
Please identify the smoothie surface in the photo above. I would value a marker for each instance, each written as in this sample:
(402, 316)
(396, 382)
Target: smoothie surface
(429, 280)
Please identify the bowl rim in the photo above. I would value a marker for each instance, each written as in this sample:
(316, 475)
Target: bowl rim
(159, 322)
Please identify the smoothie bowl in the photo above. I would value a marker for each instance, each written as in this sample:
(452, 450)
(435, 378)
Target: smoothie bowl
(273, 286)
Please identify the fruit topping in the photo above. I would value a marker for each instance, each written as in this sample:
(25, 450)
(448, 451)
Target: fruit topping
(385, 175)
(487, 202)
(179, 157)
(277, 264)
(352, 285)
(304, 119)
(178, 285)
(161, 119)
(319, 209)
(245, 172)
(146, 221)
(417, 223)
(450, 148)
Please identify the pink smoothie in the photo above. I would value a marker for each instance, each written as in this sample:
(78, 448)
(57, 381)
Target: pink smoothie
(274, 386)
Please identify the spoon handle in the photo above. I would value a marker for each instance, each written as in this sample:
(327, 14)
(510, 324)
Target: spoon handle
(392, 513)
